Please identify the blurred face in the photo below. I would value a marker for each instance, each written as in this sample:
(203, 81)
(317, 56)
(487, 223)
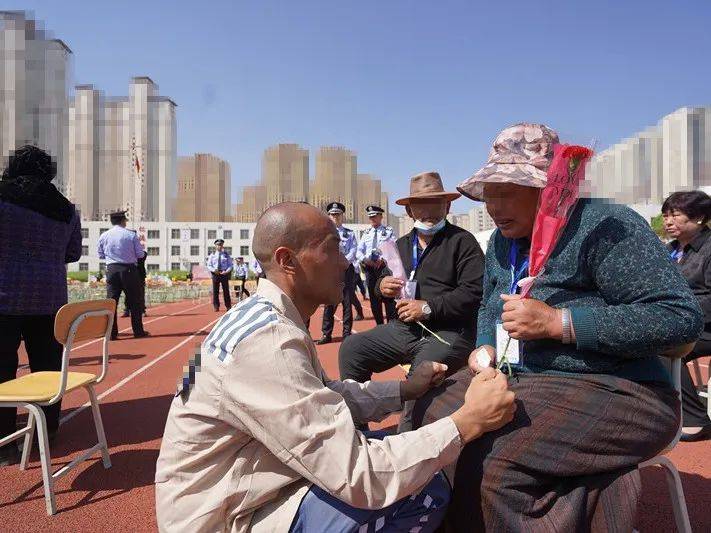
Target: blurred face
(219, 247)
(337, 218)
(679, 226)
(431, 210)
(513, 208)
(376, 220)
(323, 268)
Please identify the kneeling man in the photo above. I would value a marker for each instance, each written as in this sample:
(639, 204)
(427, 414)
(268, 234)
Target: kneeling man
(264, 441)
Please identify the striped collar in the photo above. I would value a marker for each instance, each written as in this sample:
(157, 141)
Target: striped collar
(281, 302)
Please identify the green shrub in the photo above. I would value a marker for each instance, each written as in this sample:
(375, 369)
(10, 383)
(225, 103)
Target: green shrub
(81, 275)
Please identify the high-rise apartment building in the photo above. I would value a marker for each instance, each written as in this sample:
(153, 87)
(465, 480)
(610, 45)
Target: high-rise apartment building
(479, 219)
(672, 156)
(336, 179)
(204, 189)
(122, 152)
(254, 201)
(33, 101)
(368, 192)
(285, 173)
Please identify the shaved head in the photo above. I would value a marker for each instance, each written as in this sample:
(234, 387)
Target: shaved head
(293, 225)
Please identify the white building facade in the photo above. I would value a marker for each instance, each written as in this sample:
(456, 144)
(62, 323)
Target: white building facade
(176, 245)
(674, 155)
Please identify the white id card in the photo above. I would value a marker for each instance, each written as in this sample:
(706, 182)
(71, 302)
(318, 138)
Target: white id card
(409, 290)
(512, 353)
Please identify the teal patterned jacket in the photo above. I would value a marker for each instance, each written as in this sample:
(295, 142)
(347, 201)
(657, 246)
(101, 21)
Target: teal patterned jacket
(628, 301)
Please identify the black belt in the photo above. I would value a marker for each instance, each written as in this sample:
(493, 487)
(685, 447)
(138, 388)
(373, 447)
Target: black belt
(122, 264)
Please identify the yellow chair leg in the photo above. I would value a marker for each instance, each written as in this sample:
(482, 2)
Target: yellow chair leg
(45, 458)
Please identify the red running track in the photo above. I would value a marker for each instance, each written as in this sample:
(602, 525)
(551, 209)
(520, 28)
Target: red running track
(136, 396)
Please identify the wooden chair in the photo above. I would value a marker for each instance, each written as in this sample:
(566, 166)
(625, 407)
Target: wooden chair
(74, 322)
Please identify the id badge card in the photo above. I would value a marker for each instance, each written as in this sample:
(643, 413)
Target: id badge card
(505, 343)
(409, 290)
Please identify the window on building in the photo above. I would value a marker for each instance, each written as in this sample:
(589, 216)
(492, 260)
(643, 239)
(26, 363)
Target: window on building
(152, 268)
(103, 230)
(228, 249)
(212, 234)
(194, 250)
(194, 233)
(244, 234)
(227, 234)
(154, 234)
(244, 251)
(85, 233)
(153, 250)
(210, 250)
(84, 250)
(83, 267)
(175, 250)
(175, 234)
(102, 267)
(175, 266)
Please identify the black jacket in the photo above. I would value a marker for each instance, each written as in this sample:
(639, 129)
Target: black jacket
(449, 276)
(695, 266)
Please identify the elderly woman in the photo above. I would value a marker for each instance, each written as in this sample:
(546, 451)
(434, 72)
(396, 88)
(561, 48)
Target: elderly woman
(40, 232)
(594, 399)
(686, 216)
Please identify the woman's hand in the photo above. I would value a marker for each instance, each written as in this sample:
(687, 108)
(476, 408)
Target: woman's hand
(528, 319)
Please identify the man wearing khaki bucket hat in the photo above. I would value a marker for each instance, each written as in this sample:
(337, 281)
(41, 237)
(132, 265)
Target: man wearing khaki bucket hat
(443, 265)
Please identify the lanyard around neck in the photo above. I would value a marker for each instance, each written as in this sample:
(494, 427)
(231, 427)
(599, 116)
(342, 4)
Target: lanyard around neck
(516, 275)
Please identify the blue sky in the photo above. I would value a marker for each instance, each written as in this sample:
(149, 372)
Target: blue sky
(410, 86)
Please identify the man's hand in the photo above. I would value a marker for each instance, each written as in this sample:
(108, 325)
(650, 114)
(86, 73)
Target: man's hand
(529, 319)
(488, 405)
(410, 310)
(390, 287)
(426, 375)
(478, 358)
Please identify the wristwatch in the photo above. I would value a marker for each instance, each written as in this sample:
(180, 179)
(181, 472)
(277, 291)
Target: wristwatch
(427, 310)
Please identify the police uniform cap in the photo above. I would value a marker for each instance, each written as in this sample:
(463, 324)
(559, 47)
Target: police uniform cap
(373, 210)
(219, 242)
(336, 208)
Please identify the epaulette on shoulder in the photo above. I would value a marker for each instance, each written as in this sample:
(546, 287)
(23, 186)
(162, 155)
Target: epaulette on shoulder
(240, 322)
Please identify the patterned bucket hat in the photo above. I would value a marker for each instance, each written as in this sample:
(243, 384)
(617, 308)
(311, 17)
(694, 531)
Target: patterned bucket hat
(521, 154)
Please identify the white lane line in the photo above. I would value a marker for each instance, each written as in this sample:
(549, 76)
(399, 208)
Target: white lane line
(129, 328)
(137, 372)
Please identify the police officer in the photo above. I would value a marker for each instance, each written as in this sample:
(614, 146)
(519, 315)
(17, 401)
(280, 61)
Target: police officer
(142, 276)
(219, 263)
(370, 258)
(349, 247)
(241, 273)
(121, 249)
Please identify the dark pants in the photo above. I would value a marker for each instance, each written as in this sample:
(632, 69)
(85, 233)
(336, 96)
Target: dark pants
(330, 310)
(141, 298)
(43, 352)
(567, 462)
(123, 277)
(693, 407)
(395, 343)
(376, 302)
(359, 284)
(243, 286)
(224, 281)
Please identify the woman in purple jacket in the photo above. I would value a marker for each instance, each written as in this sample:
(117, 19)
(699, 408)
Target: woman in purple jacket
(40, 232)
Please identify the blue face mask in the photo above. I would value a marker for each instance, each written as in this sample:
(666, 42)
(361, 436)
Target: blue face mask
(427, 229)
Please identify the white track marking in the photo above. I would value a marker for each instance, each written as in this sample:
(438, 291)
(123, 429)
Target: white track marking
(135, 373)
